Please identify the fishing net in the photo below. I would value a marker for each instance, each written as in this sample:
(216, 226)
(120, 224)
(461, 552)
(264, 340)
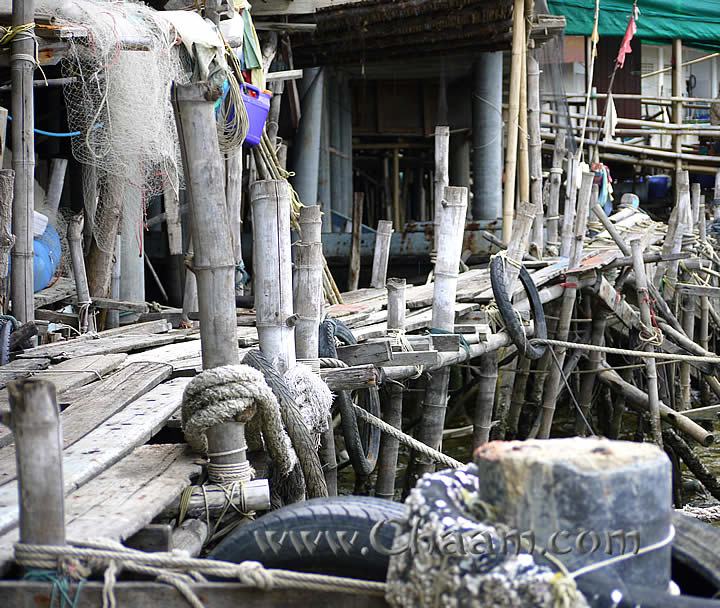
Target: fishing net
(119, 101)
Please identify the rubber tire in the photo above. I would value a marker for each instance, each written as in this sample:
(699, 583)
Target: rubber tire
(317, 519)
(512, 324)
(362, 441)
(695, 548)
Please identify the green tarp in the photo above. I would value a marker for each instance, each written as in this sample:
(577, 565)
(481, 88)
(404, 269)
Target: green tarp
(696, 22)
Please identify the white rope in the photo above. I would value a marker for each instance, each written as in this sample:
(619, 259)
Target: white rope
(629, 353)
(180, 571)
(416, 445)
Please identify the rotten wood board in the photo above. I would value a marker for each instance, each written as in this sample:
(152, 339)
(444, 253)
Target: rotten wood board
(126, 497)
(107, 444)
(62, 289)
(107, 398)
(25, 594)
(100, 346)
(66, 376)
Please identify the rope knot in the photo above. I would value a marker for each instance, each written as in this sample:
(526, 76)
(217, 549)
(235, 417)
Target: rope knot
(254, 574)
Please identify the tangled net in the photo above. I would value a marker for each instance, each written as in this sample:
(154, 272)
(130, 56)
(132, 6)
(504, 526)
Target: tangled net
(119, 101)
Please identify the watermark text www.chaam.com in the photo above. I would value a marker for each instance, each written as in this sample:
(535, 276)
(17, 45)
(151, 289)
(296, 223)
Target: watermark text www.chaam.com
(451, 542)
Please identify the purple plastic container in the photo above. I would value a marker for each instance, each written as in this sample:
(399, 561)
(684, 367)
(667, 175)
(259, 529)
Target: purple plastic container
(257, 104)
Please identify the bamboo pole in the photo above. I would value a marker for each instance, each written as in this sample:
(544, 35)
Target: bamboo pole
(357, 214)
(536, 180)
(270, 202)
(568, 218)
(482, 422)
(677, 85)
(553, 208)
(704, 325)
(22, 68)
(213, 263)
(7, 239)
(452, 222)
(86, 321)
(392, 406)
(233, 196)
(641, 285)
(442, 179)
(511, 147)
(552, 384)
(599, 317)
(112, 318)
(523, 167)
(35, 422)
(381, 256)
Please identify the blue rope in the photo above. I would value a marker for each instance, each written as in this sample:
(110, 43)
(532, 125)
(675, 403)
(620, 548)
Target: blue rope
(50, 133)
(60, 594)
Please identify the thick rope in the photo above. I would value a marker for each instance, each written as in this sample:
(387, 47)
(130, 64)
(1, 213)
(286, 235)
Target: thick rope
(416, 445)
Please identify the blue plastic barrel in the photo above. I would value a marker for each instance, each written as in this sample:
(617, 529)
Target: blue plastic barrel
(47, 250)
(658, 186)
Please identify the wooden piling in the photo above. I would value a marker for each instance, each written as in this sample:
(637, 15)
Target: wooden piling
(442, 176)
(270, 202)
(35, 421)
(704, 323)
(7, 239)
(488, 371)
(357, 214)
(646, 315)
(213, 263)
(86, 321)
(233, 199)
(535, 151)
(381, 255)
(555, 377)
(112, 319)
(452, 223)
(392, 406)
(553, 206)
(511, 147)
(22, 67)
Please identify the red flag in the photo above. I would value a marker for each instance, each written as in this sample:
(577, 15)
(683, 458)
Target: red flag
(630, 32)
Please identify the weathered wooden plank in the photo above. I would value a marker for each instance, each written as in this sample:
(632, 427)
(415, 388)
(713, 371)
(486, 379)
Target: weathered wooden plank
(66, 376)
(112, 440)
(126, 497)
(370, 352)
(106, 398)
(111, 304)
(101, 346)
(22, 594)
(698, 290)
(62, 289)
(415, 357)
(157, 326)
(21, 369)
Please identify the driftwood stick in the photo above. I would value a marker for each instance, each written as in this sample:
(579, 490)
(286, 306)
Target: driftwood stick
(35, 421)
(650, 366)
(692, 462)
(392, 406)
(381, 255)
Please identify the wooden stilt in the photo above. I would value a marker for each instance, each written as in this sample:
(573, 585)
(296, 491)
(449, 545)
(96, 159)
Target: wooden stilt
(357, 214)
(233, 197)
(381, 255)
(270, 202)
(392, 406)
(452, 222)
(552, 385)
(86, 321)
(704, 323)
(535, 151)
(35, 421)
(511, 147)
(7, 239)
(112, 319)
(22, 68)
(488, 371)
(553, 207)
(213, 263)
(442, 177)
(645, 313)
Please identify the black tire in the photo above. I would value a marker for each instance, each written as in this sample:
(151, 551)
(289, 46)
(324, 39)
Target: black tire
(340, 536)
(696, 561)
(362, 440)
(512, 324)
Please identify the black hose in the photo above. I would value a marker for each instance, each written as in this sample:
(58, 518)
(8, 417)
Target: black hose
(510, 319)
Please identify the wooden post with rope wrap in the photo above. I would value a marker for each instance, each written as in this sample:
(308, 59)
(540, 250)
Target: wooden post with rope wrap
(213, 262)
